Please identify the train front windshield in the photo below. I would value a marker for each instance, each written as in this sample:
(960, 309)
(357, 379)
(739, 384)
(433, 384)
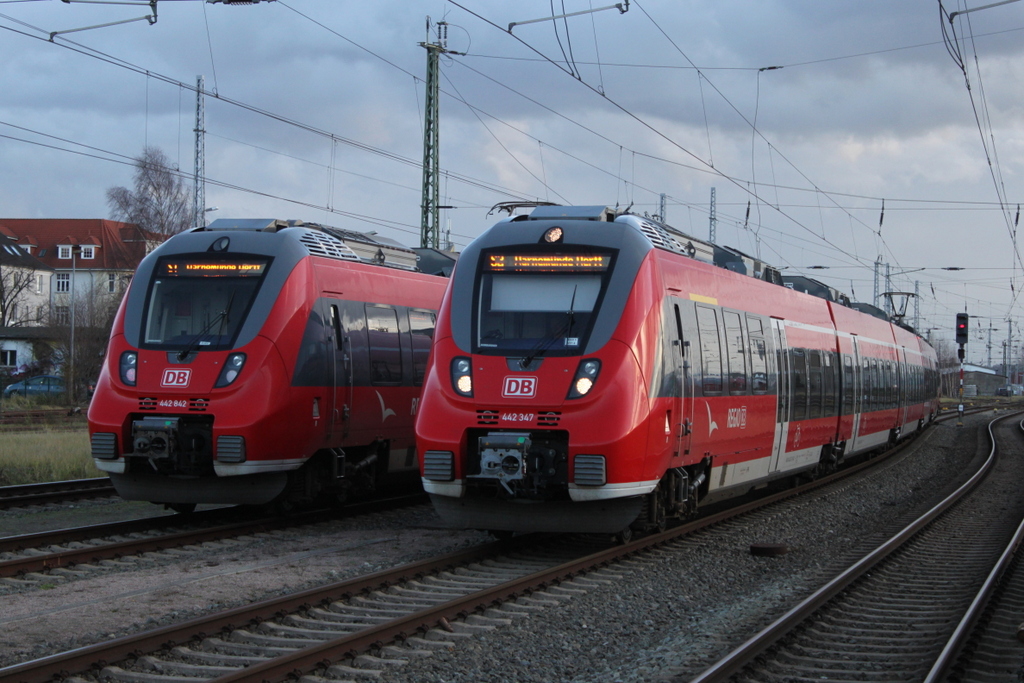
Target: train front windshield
(538, 304)
(200, 303)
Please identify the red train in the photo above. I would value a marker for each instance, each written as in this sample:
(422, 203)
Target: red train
(595, 371)
(259, 360)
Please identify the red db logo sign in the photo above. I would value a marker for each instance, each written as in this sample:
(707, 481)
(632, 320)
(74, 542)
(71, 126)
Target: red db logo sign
(175, 378)
(519, 387)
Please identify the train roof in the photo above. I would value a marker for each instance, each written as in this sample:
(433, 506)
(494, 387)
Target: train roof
(327, 241)
(664, 236)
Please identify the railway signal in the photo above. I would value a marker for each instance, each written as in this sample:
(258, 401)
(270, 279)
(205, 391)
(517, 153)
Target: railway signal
(961, 328)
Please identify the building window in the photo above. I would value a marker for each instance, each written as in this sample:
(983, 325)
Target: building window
(63, 252)
(111, 282)
(63, 282)
(89, 252)
(39, 283)
(8, 358)
(61, 315)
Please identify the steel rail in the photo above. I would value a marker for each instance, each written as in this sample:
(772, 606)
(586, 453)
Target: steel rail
(65, 558)
(55, 492)
(746, 652)
(279, 669)
(947, 658)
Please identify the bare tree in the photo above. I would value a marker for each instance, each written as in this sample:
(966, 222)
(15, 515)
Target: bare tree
(94, 317)
(161, 200)
(16, 286)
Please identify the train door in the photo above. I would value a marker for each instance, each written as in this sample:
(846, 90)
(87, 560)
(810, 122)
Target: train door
(683, 373)
(901, 381)
(341, 373)
(783, 375)
(858, 394)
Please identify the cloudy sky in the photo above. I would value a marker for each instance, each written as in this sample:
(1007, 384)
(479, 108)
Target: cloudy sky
(806, 117)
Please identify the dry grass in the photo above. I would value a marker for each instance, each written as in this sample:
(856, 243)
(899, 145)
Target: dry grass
(45, 455)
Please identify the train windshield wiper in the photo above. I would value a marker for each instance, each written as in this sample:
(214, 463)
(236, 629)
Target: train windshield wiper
(221, 317)
(545, 343)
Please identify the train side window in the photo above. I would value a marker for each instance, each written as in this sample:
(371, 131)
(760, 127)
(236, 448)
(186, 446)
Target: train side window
(848, 387)
(877, 387)
(798, 366)
(758, 366)
(886, 368)
(421, 325)
(710, 351)
(385, 345)
(736, 350)
(755, 327)
(828, 376)
(814, 383)
(339, 340)
(865, 386)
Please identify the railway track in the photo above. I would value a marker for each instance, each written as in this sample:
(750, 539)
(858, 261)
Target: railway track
(55, 492)
(52, 418)
(374, 620)
(30, 558)
(906, 610)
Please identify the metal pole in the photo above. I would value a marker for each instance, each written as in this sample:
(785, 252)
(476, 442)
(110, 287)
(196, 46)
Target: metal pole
(71, 365)
(430, 205)
(199, 168)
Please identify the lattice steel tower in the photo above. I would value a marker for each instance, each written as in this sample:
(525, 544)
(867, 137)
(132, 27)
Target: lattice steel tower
(199, 174)
(430, 220)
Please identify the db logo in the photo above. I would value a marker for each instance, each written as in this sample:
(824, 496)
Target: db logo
(519, 387)
(175, 378)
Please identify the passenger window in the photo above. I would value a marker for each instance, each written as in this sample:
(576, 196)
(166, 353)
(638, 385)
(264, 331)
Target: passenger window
(736, 349)
(385, 345)
(848, 395)
(828, 376)
(710, 349)
(758, 366)
(814, 383)
(798, 363)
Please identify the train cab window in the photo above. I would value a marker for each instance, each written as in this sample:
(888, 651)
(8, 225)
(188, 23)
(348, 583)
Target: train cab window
(758, 366)
(736, 351)
(814, 384)
(536, 304)
(421, 327)
(710, 350)
(798, 367)
(200, 303)
(385, 345)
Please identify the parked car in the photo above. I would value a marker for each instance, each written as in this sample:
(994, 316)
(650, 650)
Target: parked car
(43, 385)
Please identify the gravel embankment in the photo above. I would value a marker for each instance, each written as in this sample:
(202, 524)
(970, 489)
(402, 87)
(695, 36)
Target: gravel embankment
(676, 611)
(673, 611)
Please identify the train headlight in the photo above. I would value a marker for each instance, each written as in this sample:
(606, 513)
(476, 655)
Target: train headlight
(586, 376)
(129, 367)
(462, 376)
(232, 368)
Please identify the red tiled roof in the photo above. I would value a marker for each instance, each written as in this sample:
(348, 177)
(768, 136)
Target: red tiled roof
(120, 246)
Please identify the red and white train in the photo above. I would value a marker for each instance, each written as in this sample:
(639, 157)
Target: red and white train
(595, 371)
(260, 360)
